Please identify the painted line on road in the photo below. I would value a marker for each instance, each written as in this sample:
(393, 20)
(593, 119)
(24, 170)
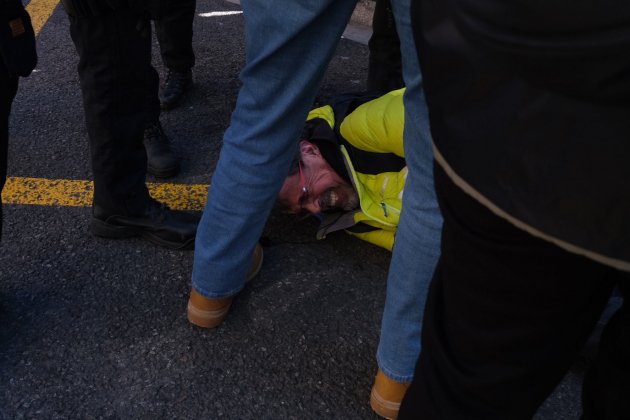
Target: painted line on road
(357, 30)
(229, 13)
(78, 193)
(41, 11)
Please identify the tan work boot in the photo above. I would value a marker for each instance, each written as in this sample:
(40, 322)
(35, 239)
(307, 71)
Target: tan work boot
(210, 313)
(386, 396)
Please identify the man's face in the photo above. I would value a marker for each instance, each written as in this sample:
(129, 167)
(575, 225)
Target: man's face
(316, 188)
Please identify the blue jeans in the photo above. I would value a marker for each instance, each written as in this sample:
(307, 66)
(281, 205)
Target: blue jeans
(288, 47)
(417, 246)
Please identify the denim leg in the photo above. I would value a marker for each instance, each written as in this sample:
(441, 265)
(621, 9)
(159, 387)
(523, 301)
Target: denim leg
(417, 245)
(288, 47)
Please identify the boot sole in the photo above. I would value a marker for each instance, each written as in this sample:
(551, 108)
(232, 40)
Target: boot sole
(206, 318)
(105, 230)
(382, 407)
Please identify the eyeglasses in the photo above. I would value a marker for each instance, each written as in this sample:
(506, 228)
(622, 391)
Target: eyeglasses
(303, 188)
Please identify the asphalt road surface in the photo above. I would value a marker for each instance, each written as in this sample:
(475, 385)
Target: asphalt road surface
(95, 328)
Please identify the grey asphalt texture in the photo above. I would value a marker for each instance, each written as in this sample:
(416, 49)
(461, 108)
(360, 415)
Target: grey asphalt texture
(95, 328)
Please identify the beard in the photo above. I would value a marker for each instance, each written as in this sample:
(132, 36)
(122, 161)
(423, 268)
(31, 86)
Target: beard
(341, 197)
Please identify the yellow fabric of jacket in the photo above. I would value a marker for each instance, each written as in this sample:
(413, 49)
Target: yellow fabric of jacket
(374, 130)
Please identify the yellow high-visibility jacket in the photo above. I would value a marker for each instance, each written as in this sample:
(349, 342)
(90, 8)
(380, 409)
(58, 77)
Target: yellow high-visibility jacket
(369, 138)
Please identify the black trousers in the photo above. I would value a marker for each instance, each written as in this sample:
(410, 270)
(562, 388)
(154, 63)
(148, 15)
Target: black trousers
(116, 77)
(174, 30)
(506, 317)
(8, 89)
(385, 62)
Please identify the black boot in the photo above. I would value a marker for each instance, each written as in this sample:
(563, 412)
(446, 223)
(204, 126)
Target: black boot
(174, 87)
(155, 223)
(161, 159)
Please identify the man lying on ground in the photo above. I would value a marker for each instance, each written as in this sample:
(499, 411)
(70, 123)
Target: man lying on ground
(350, 167)
(350, 171)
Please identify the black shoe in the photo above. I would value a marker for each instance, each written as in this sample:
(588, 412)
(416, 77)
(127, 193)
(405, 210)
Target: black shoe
(157, 223)
(174, 87)
(161, 159)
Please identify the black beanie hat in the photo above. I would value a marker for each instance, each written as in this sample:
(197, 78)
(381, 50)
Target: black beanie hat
(318, 132)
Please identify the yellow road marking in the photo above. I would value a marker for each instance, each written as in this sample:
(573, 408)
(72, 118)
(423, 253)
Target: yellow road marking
(78, 193)
(40, 11)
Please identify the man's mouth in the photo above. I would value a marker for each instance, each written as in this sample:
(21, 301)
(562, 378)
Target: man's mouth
(329, 200)
(333, 199)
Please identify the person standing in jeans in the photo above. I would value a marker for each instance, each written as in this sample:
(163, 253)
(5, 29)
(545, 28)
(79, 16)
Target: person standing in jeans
(279, 86)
